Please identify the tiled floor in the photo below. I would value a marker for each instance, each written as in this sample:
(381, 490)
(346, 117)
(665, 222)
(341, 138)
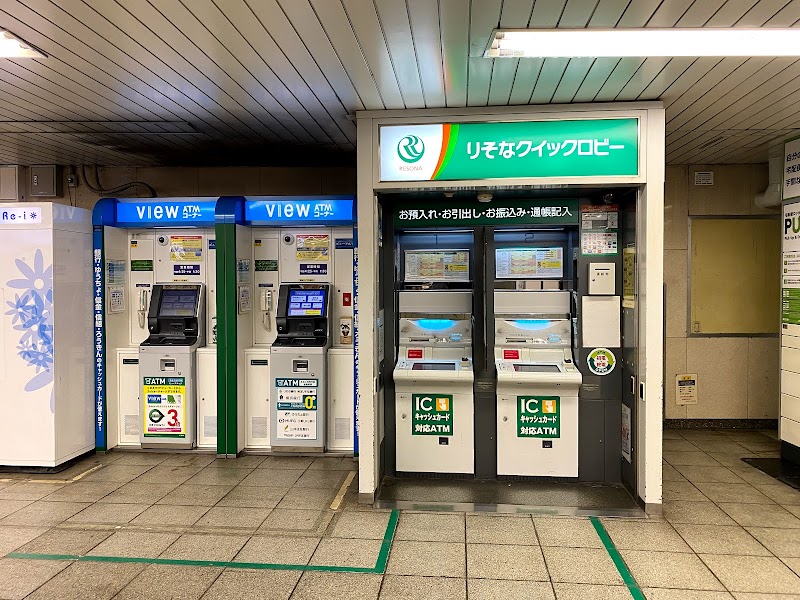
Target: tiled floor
(728, 531)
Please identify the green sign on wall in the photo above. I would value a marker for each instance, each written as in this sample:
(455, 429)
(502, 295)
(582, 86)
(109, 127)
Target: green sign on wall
(432, 414)
(467, 213)
(538, 417)
(519, 149)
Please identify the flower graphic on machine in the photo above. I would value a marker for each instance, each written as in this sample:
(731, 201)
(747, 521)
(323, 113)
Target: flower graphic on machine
(31, 313)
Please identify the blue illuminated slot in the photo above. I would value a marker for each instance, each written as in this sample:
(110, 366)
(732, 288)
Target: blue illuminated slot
(435, 324)
(531, 324)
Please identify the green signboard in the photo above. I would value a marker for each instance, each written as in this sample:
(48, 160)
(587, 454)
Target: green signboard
(502, 212)
(519, 149)
(538, 417)
(790, 306)
(432, 414)
(141, 265)
(266, 265)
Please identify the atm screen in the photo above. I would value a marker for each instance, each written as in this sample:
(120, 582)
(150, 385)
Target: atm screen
(306, 303)
(179, 302)
(433, 367)
(523, 368)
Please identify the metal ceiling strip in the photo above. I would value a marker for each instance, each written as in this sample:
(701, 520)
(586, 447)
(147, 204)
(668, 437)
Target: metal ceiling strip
(395, 24)
(424, 17)
(454, 26)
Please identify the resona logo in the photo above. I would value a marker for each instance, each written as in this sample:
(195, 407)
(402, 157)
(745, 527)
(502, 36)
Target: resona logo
(410, 149)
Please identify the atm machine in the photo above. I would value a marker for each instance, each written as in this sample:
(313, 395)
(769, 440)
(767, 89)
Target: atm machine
(299, 368)
(433, 378)
(537, 384)
(167, 366)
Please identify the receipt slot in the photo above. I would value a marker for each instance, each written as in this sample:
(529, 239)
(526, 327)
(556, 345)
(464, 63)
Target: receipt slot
(299, 368)
(433, 379)
(537, 385)
(167, 366)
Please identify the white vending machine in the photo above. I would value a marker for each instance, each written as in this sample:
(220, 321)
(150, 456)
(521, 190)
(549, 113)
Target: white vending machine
(47, 406)
(434, 410)
(537, 384)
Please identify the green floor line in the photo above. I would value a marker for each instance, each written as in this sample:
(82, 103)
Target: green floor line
(622, 568)
(379, 568)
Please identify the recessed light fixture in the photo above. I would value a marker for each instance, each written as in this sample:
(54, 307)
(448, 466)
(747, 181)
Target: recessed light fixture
(12, 46)
(597, 43)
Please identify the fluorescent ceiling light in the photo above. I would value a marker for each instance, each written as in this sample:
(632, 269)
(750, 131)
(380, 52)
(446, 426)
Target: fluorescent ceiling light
(595, 43)
(12, 46)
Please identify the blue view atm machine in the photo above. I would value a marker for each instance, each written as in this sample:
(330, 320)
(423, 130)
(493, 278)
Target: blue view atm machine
(167, 365)
(299, 359)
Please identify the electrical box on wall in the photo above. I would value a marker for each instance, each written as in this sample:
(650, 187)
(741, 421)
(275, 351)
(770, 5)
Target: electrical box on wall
(602, 279)
(45, 181)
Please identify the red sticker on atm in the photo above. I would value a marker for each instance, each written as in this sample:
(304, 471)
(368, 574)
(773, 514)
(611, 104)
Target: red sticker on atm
(510, 354)
(415, 353)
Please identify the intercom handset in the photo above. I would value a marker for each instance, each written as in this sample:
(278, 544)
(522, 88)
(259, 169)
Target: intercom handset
(143, 306)
(266, 308)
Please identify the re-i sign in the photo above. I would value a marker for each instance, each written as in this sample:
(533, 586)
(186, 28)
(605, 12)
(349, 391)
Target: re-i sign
(519, 149)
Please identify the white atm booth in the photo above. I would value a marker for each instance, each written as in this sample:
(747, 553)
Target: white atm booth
(142, 247)
(294, 243)
(46, 411)
(537, 384)
(433, 381)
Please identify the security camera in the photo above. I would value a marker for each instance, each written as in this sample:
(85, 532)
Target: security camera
(608, 198)
(484, 197)
(162, 240)
(288, 238)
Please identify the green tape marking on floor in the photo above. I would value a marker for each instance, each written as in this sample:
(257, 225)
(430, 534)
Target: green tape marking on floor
(622, 568)
(379, 568)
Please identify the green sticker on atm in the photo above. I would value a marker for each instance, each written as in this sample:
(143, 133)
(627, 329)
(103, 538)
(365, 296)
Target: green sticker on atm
(266, 265)
(141, 265)
(432, 414)
(538, 417)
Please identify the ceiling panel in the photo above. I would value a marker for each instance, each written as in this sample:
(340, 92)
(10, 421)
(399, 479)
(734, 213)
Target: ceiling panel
(141, 82)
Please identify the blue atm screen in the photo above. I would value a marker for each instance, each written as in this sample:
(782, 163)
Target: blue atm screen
(306, 303)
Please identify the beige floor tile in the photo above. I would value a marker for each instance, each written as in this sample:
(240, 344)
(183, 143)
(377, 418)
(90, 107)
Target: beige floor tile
(278, 550)
(754, 515)
(142, 544)
(645, 535)
(250, 461)
(107, 513)
(178, 516)
(12, 538)
(793, 564)
(254, 497)
(140, 458)
(81, 581)
(720, 539)
(64, 541)
(692, 458)
(578, 591)
(27, 490)
(363, 525)
(20, 577)
(670, 473)
(331, 463)
(780, 493)
(670, 570)
(342, 552)
(8, 507)
(139, 493)
(676, 491)
(307, 498)
(195, 495)
(752, 475)
(404, 587)
(205, 547)
(728, 447)
(703, 474)
(431, 559)
(581, 565)
(701, 513)
(494, 589)
(567, 532)
(117, 473)
(219, 476)
(666, 594)
(755, 574)
(783, 543)
(680, 445)
(751, 596)
(316, 478)
(344, 586)
(290, 520)
(185, 583)
(44, 513)
(728, 460)
(233, 517)
(297, 463)
(84, 491)
(189, 459)
(168, 474)
(742, 493)
(272, 477)
(494, 561)
(241, 584)
(485, 529)
(431, 527)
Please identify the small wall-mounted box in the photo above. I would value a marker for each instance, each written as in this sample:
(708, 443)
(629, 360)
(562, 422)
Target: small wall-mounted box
(45, 181)
(602, 279)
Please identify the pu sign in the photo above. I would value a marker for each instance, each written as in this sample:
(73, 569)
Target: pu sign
(519, 149)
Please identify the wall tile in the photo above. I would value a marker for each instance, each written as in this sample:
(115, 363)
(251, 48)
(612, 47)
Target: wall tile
(338, 180)
(676, 364)
(676, 278)
(721, 367)
(676, 208)
(228, 181)
(763, 378)
(731, 193)
(171, 182)
(286, 180)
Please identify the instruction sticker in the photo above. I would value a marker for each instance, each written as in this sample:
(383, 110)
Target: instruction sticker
(345, 331)
(116, 299)
(625, 433)
(266, 265)
(432, 414)
(296, 409)
(686, 389)
(313, 269)
(601, 361)
(538, 417)
(164, 406)
(186, 269)
(185, 248)
(115, 272)
(313, 247)
(242, 271)
(141, 265)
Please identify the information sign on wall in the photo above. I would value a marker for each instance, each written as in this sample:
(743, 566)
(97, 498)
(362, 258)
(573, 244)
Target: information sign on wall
(790, 265)
(519, 149)
(791, 169)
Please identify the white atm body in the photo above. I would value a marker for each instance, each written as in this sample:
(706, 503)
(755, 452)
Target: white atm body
(433, 377)
(537, 385)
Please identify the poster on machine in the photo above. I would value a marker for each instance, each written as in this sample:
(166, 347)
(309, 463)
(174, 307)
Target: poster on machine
(527, 263)
(538, 417)
(437, 265)
(599, 226)
(790, 265)
(432, 414)
(296, 409)
(185, 248)
(164, 406)
(313, 247)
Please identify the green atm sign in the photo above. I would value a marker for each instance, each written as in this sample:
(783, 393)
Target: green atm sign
(538, 417)
(519, 149)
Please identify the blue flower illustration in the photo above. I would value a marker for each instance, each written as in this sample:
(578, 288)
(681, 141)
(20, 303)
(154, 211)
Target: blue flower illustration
(32, 315)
